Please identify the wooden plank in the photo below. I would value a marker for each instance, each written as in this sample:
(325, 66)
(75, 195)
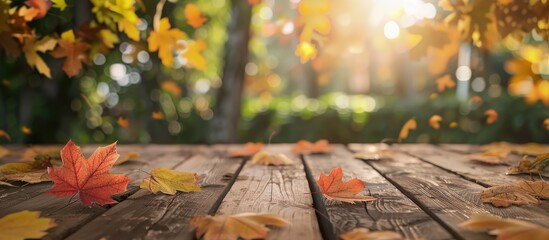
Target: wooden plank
(448, 197)
(283, 190)
(69, 216)
(485, 174)
(159, 216)
(394, 211)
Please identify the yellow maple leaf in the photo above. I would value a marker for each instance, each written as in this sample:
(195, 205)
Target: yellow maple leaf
(306, 51)
(166, 40)
(313, 15)
(434, 121)
(170, 181)
(108, 38)
(31, 47)
(193, 15)
(117, 14)
(61, 4)
(244, 225)
(26, 130)
(23, 225)
(406, 128)
(193, 54)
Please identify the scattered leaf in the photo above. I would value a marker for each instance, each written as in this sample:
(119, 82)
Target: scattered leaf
(376, 152)
(74, 51)
(333, 188)
(530, 149)
(4, 152)
(170, 181)
(508, 229)
(405, 130)
(366, 234)
(193, 54)
(42, 153)
(5, 135)
(243, 225)
(158, 115)
(494, 156)
(171, 87)
(249, 149)
(267, 158)
(505, 196)
(90, 178)
(193, 15)
(445, 82)
(123, 122)
(434, 121)
(306, 147)
(531, 167)
(492, 116)
(28, 177)
(125, 157)
(24, 225)
(26, 130)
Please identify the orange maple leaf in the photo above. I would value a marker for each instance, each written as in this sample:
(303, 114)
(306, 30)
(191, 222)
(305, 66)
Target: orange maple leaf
(306, 147)
(434, 121)
(445, 82)
(406, 128)
(90, 178)
(248, 150)
(334, 188)
(38, 9)
(74, 51)
(492, 116)
(123, 122)
(193, 15)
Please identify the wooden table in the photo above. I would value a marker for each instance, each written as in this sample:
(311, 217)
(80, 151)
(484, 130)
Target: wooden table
(425, 192)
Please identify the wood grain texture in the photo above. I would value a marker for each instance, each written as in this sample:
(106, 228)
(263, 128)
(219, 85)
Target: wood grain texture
(485, 174)
(448, 197)
(69, 216)
(283, 190)
(159, 216)
(393, 211)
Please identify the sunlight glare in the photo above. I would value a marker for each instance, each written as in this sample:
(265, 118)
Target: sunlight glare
(391, 30)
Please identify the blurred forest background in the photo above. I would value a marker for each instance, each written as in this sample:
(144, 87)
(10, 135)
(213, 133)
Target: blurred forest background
(178, 71)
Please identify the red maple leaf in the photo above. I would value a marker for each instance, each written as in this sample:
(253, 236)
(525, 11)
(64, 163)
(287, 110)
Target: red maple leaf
(90, 178)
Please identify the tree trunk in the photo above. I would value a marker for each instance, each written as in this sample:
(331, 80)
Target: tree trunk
(311, 88)
(224, 125)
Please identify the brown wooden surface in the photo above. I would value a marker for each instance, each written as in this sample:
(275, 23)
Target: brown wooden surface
(424, 192)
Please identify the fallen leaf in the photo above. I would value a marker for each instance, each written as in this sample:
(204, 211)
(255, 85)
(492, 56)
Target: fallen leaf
(74, 51)
(41, 153)
(4, 152)
(170, 181)
(166, 40)
(306, 147)
(526, 165)
(32, 46)
(193, 15)
(123, 122)
(522, 193)
(538, 188)
(333, 188)
(445, 82)
(90, 178)
(375, 152)
(2, 183)
(530, 149)
(249, 149)
(28, 177)
(405, 130)
(366, 234)
(492, 116)
(24, 225)
(267, 158)
(494, 156)
(125, 157)
(157, 115)
(243, 225)
(26, 130)
(171, 87)
(506, 229)
(434, 121)
(5, 135)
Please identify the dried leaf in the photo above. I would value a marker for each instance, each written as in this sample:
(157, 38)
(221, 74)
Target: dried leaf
(31, 47)
(492, 116)
(193, 15)
(243, 225)
(4, 152)
(366, 234)
(170, 181)
(406, 128)
(494, 156)
(508, 229)
(306, 51)
(523, 192)
(530, 149)
(166, 40)
(306, 147)
(528, 166)
(249, 150)
(5, 135)
(333, 188)
(24, 225)
(434, 121)
(90, 178)
(41, 153)
(375, 152)
(267, 158)
(125, 157)
(28, 177)
(445, 82)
